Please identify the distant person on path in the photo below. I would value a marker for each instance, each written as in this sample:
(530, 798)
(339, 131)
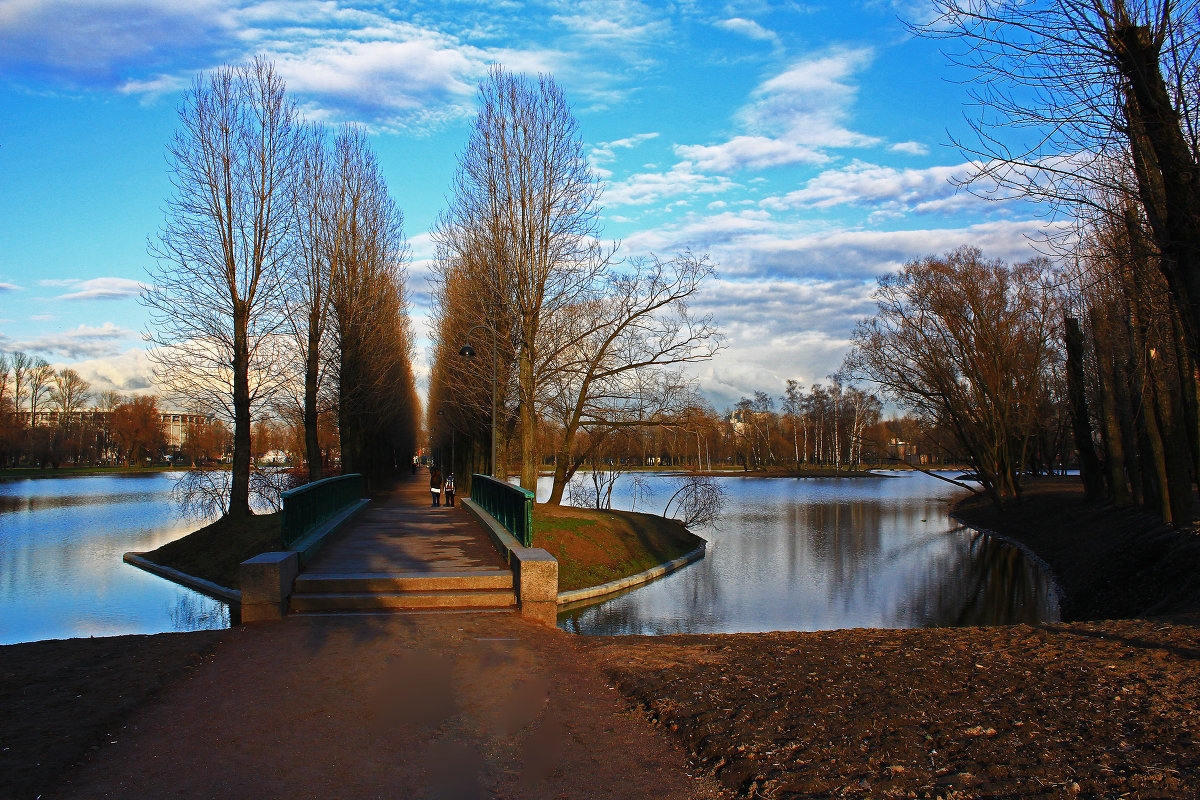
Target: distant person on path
(416, 460)
(449, 487)
(435, 484)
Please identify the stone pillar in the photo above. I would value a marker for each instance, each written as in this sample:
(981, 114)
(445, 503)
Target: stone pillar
(267, 585)
(536, 573)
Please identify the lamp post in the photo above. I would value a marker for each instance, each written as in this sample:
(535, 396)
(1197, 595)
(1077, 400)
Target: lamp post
(469, 352)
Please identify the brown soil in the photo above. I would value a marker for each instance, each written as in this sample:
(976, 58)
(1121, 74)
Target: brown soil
(1093, 711)
(215, 551)
(1111, 563)
(595, 547)
(61, 699)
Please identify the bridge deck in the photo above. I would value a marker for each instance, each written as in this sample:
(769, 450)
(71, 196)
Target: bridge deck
(400, 532)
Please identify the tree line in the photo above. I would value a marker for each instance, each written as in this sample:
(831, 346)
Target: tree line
(52, 417)
(576, 336)
(279, 281)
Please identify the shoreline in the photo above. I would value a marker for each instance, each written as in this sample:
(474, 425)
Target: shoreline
(1107, 562)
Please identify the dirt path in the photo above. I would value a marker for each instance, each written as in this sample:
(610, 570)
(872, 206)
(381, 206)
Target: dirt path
(431, 706)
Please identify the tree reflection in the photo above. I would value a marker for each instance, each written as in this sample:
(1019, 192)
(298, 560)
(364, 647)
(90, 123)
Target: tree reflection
(193, 611)
(985, 581)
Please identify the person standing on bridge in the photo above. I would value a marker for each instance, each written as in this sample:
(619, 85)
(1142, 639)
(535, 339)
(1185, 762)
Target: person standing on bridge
(435, 484)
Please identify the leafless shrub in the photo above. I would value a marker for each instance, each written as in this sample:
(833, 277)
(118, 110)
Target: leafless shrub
(698, 501)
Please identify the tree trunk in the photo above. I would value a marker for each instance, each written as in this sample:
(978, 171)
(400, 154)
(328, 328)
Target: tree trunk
(529, 466)
(1114, 449)
(312, 367)
(239, 483)
(1089, 463)
(1166, 169)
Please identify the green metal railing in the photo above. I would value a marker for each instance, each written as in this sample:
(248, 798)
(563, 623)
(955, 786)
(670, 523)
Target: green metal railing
(305, 508)
(511, 505)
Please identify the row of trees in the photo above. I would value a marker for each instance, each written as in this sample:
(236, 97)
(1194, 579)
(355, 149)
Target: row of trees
(575, 337)
(279, 284)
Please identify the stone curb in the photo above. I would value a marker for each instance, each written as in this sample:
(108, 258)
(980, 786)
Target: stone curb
(576, 595)
(190, 581)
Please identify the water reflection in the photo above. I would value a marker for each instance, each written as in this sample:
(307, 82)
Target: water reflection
(821, 554)
(61, 574)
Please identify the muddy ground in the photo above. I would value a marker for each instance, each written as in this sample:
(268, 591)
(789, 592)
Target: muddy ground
(1085, 710)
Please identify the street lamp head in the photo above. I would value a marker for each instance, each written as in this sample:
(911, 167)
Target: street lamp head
(441, 412)
(467, 351)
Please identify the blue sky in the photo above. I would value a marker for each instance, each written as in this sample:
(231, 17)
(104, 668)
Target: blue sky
(803, 146)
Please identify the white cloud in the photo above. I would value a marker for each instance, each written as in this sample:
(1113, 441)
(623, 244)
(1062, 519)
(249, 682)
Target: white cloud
(753, 245)
(650, 187)
(749, 152)
(415, 70)
(127, 371)
(883, 189)
(748, 27)
(100, 288)
(86, 341)
(9, 287)
(911, 148)
(793, 117)
(90, 43)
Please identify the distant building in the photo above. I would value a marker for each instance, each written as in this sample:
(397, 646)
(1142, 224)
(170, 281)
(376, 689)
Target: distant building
(174, 426)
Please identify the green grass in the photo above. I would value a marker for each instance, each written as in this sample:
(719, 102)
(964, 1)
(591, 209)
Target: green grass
(595, 547)
(215, 551)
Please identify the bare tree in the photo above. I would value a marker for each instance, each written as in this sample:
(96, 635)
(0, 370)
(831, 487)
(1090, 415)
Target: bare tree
(624, 343)
(1084, 102)
(698, 500)
(216, 298)
(39, 376)
(21, 362)
(70, 393)
(309, 282)
(366, 251)
(966, 343)
(525, 202)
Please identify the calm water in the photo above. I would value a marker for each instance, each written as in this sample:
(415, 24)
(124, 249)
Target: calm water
(827, 553)
(61, 574)
(810, 554)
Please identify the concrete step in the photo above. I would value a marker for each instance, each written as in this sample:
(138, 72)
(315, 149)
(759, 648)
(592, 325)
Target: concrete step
(367, 582)
(497, 598)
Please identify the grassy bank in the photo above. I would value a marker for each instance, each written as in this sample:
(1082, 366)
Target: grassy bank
(1110, 562)
(595, 547)
(214, 551)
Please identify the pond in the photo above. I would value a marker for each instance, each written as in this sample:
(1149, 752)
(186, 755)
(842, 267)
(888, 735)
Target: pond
(827, 553)
(61, 574)
(787, 554)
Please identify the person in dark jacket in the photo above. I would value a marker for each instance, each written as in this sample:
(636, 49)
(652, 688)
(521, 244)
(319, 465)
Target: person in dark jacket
(435, 484)
(448, 492)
